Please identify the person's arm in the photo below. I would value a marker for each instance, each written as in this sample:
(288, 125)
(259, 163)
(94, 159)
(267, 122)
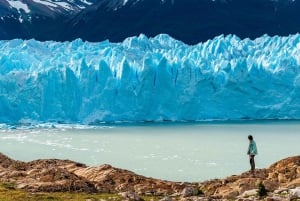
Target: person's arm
(254, 151)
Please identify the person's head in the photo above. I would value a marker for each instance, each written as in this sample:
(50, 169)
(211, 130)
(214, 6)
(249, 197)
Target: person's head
(250, 137)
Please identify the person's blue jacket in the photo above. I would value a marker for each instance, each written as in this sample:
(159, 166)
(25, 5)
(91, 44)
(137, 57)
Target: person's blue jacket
(252, 150)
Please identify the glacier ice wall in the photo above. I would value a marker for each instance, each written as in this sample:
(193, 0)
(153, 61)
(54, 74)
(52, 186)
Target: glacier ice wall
(150, 79)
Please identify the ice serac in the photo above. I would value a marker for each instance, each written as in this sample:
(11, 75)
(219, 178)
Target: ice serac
(150, 79)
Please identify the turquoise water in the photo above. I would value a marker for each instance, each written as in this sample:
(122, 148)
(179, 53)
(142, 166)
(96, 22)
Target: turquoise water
(178, 152)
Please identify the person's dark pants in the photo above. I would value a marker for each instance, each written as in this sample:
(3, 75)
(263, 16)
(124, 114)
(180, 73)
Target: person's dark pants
(252, 163)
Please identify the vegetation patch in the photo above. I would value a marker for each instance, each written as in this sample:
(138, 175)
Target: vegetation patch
(8, 185)
(8, 192)
(261, 190)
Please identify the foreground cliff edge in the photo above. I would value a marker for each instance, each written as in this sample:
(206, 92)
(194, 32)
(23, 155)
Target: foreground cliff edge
(53, 175)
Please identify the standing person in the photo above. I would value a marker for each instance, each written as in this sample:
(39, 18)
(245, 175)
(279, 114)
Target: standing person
(252, 151)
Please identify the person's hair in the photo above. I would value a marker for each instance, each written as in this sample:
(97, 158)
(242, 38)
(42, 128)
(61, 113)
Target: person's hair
(250, 137)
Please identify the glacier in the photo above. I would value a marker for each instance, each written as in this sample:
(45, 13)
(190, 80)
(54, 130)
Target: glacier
(150, 79)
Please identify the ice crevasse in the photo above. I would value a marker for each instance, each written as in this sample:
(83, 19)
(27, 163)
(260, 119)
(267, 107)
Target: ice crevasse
(150, 79)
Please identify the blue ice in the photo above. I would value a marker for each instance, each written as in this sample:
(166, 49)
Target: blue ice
(150, 79)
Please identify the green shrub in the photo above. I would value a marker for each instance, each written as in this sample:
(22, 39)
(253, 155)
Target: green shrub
(198, 192)
(261, 190)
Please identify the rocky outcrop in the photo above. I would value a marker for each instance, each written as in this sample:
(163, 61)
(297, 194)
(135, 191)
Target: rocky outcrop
(109, 179)
(281, 180)
(284, 174)
(43, 175)
(64, 175)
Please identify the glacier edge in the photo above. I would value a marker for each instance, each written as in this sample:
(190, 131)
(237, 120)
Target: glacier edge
(150, 79)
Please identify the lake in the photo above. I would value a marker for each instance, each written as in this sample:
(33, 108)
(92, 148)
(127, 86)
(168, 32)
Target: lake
(171, 151)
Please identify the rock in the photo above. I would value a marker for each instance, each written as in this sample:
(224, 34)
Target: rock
(195, 198)
(109, 179)
(5, 161)
(227, 193)
(270, 185)
(294, 193)
(294, 183)
(252, 192)
(281, 190)
(188, 192)
(274, 198)
(175, 195)
(22, 186)
(166, 199)
(130, 195)
(15, 173)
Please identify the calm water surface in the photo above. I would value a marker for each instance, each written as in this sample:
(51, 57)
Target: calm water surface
(178, 152)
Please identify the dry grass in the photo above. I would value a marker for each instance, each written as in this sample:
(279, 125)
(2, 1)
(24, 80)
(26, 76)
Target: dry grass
(9, 193)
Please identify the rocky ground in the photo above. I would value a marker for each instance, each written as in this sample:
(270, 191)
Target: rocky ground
(281, 181)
